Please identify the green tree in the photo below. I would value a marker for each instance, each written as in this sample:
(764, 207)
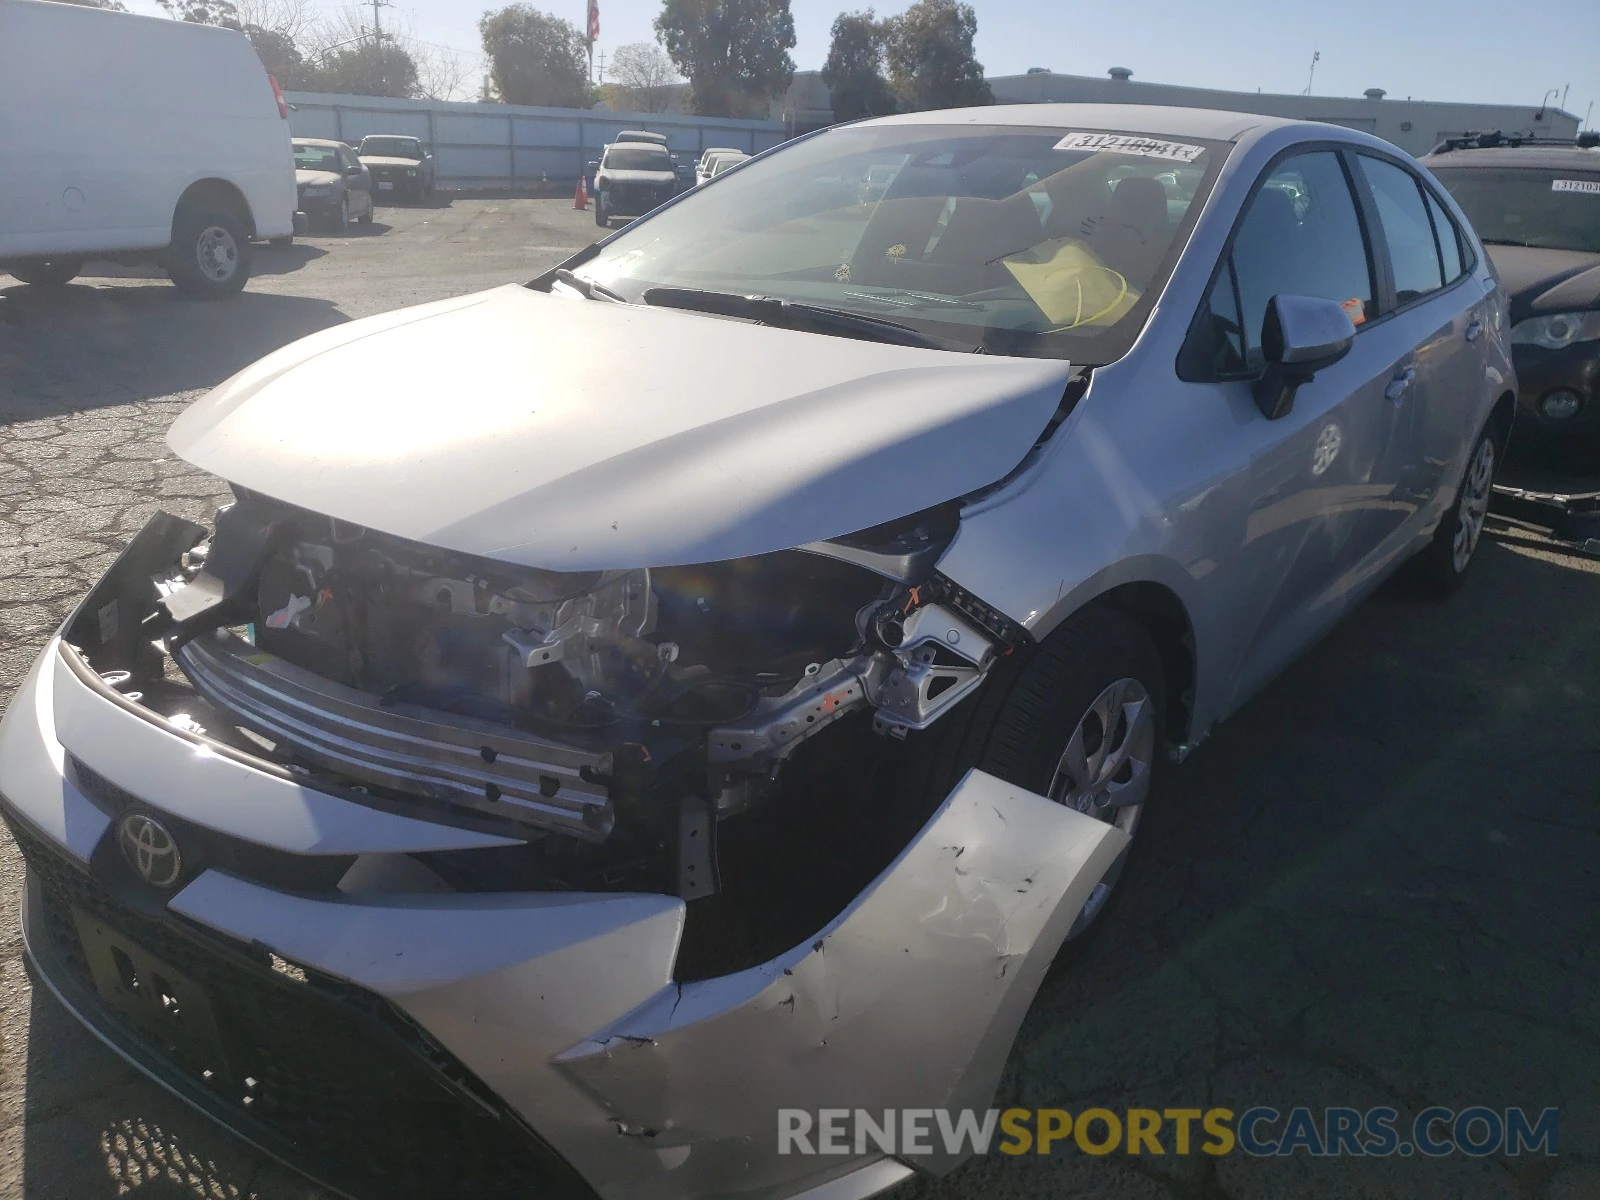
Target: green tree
(929, 51)
(734, 53)
(281, 57)
(535, 58)
(223, 13)
(366, 69)
(854, 69)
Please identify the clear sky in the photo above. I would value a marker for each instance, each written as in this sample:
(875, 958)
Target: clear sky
(1466, 50)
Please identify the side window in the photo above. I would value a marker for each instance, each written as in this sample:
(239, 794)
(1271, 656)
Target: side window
(1412, 250)
(1449, 239)
(1300, 237)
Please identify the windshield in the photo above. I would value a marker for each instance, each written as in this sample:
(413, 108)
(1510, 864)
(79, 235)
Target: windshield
(391, 147)
(1043, 242)
(637, 158)
(315, 158)
(1529, 206)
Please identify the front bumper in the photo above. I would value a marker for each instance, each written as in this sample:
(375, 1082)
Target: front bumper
(540, 1033)
(631, 202)
(1541, 371)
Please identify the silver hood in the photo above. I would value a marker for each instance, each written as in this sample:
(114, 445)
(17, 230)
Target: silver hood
(574, 434)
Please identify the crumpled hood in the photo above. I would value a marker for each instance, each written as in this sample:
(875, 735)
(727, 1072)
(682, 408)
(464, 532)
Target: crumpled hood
(315, 178)
(1541, 280)
(577, 435)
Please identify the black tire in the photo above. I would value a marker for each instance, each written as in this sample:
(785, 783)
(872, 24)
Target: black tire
(210, 253)
(1020, 724)
(339, 222)
(600, 217)
(47, 272)
(1441, 568)
(281, 243)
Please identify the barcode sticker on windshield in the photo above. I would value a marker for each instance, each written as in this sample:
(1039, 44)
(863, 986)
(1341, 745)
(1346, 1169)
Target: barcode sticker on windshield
(1588, 186)
(1122, 143)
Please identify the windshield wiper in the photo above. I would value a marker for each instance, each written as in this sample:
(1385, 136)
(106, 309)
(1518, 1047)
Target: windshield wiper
(793, 314)
(588, 288)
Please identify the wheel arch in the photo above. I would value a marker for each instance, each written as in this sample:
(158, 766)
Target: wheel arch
(1165, 618)
(214, 191)
(1501, 417)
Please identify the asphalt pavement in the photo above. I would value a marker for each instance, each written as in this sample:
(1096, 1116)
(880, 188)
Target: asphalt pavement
(1378, 884)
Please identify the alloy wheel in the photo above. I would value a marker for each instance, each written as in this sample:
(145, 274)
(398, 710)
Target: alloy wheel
(1472, 506)
(1104, 772)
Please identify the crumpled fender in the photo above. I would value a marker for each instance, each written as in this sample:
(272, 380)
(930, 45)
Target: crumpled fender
(911, 998)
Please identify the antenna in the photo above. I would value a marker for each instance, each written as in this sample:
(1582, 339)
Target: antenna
(1316, 57)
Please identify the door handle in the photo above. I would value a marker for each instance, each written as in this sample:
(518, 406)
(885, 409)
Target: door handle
(1397, 386)
(1474, 330)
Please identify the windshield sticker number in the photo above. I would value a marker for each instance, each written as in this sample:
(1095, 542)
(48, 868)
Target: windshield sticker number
(1122, 143)
(1589, 187)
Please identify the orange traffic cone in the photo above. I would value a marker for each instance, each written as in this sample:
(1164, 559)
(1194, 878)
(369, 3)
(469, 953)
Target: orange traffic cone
(580, 198)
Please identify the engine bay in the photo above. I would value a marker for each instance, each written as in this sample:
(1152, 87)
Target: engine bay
(609, 718)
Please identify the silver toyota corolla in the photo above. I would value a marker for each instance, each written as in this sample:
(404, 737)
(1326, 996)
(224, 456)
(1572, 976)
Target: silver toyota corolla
(556, 760)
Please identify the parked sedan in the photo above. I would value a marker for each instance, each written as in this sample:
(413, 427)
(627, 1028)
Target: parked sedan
(400, 166)
(331, 183)
(556, 782)
(1536, 205)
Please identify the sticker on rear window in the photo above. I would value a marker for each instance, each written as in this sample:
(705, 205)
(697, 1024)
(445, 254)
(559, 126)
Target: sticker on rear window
(1122, 143)
(1589, 187)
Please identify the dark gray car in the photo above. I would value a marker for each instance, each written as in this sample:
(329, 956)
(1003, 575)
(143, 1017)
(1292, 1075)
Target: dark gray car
(332, 186)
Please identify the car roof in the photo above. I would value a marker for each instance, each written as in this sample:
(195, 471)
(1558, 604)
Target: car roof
(328, 142)
(1541, 157)
(409, 137)
(1153, 119)
(636, 146)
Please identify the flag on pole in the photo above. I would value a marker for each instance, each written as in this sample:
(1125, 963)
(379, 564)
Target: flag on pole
(594, 21)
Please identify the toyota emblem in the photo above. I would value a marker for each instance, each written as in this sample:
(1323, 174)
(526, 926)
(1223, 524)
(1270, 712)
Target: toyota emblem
(149, 849)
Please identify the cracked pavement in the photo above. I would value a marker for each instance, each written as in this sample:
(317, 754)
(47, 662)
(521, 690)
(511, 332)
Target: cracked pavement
(1377, 884)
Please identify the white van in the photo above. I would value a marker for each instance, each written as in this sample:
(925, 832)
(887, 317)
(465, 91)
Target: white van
(137, 139)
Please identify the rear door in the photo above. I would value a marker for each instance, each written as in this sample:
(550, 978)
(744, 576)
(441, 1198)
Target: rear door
(1442, 311)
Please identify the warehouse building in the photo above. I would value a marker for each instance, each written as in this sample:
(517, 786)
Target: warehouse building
(1414, 125)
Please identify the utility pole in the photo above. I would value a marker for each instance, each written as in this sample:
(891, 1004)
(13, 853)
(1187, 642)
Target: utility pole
(601, 78)
(1316, 56)
(377, 39)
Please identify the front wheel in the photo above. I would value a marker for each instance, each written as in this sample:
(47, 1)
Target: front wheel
(47, 272)
(341, 219)
(1082, 722)
(210, 254)
(1442, 567)
(600, 217)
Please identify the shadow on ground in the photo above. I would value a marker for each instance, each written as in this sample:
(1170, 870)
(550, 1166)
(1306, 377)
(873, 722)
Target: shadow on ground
(84, 347)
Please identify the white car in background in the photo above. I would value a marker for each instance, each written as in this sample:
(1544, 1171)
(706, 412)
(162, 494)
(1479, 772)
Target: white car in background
(725, 162)
(137, 139)
(702, 170)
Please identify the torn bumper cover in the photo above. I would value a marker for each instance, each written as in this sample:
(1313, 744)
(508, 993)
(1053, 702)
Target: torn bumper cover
(551, 1021)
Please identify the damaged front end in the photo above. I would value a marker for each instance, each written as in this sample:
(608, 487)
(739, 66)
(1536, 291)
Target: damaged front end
(611, 719)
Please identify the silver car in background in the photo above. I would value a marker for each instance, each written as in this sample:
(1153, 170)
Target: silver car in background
(535, 792)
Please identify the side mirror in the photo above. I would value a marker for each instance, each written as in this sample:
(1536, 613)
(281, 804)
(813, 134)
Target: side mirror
(353, 173)
(1300, 335)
